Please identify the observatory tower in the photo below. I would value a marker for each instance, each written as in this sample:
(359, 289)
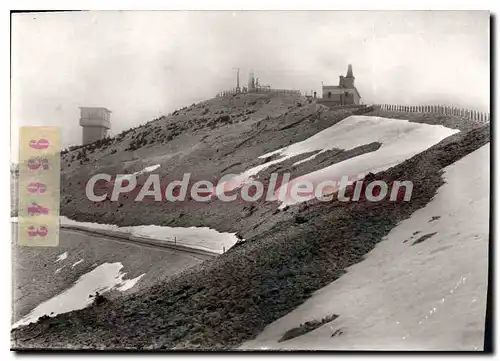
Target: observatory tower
(95, 123)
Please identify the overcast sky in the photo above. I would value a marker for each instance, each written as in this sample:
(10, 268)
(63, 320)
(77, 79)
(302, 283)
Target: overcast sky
(144, 64)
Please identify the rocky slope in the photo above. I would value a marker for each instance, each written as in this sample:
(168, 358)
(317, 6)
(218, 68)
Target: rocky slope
(287, 254)
(209, 140)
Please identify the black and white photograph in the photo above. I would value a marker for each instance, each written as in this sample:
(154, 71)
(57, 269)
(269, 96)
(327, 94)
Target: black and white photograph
(240, 180)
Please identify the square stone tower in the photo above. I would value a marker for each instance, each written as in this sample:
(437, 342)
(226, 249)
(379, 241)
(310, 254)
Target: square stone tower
(95, 123)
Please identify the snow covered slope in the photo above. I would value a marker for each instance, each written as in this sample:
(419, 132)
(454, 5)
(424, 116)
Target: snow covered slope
(204, 238)
(400, 140)
(103, 278)
(195, 237)
(422, 288)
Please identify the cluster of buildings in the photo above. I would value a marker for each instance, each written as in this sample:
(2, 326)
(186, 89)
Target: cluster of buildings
(95, 121)
(345, 93)
(254, 87)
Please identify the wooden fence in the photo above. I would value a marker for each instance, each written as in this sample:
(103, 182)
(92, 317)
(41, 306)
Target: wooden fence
(470, 114)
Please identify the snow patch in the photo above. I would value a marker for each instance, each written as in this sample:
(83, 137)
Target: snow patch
(103, 278)
(76, 263)
(405, 295)
(400, 139)
(62, 257)
(135, 174)
(128, 284)
(204, 238)
(148, 169)
(195, 237)
(65, 221)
